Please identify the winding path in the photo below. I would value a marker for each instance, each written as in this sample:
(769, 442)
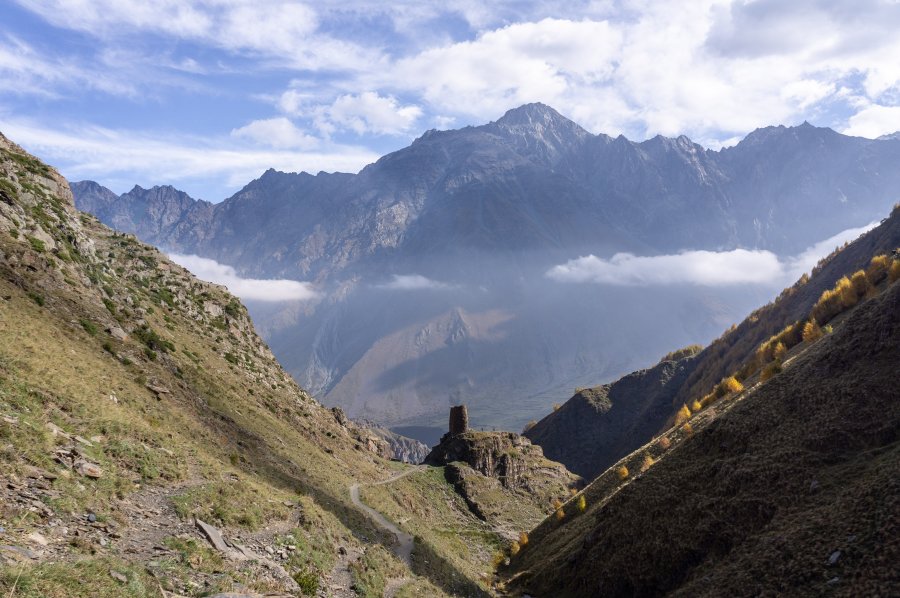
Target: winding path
(405, 541)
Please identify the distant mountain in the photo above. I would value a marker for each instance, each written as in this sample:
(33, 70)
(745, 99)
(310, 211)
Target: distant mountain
(479, 215)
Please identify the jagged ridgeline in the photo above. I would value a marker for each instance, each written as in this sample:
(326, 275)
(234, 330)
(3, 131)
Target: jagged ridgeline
(136, 399)
(779, 477)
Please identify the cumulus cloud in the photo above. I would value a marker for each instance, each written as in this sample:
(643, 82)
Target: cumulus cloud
(279, 133)
(246, 288)
(413, 282)
(369, 112)
(873, 121)
(702, 268)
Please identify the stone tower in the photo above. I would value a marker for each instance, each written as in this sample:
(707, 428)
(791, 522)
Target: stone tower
(459, 420)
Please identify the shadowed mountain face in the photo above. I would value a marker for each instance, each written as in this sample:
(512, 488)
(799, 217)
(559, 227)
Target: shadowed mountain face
(479, 215)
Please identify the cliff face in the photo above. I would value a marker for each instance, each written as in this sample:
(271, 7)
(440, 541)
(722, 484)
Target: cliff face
(600, 425)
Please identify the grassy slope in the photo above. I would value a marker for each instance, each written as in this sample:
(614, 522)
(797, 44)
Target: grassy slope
(765, 490)
(235, 440)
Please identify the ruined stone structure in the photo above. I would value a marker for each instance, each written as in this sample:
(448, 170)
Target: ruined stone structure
(459, 420)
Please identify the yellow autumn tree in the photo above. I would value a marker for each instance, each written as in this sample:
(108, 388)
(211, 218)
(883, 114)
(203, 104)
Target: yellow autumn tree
(860, 283)
(878, 269)
(696, 406)
(622, 472)
(811, 331)
(894, 272)
(514, 548)
(683, 415)
(582, 503)
(779, 352)
(648, 462)
(523, 539)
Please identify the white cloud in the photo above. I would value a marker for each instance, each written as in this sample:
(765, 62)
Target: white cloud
(23, 70)
(246, 288)
(121, 155)
(702, 268)
(874, 121)
(279, 133)
(413, 282)
(705, 268)
(280, 29)
(369, 112)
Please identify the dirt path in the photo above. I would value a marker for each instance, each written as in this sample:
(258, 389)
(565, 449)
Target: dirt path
(404, 541)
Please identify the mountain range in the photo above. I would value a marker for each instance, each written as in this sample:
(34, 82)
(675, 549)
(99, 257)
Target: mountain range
(153, 445)
(431, 264)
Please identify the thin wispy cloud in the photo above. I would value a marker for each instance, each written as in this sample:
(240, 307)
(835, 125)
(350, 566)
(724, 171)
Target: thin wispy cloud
(123, 158)
(272, 290)
(701, 268)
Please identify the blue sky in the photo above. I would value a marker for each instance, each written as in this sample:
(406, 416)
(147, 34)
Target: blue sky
(207, 94)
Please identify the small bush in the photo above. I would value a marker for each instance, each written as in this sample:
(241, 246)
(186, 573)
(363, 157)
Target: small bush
(308, 582)
(664, 443)
(89, 327)
(688, 429)
(529, 425)
(647, 463)
(514, 548)
(683, 415)
(557, 406)
(622, 472)
(39, 299)
(581, 503)
(523, 539)
(560, 514)
(37, 244)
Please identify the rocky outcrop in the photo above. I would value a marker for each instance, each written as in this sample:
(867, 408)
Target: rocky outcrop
(399, 448)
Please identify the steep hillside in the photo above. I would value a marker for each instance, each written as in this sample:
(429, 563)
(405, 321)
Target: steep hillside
(135, 399)
(599, 425)
(787, 486)
(473, 219)
(737, 346)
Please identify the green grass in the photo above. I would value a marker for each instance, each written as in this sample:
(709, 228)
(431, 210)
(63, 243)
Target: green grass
(89, 578)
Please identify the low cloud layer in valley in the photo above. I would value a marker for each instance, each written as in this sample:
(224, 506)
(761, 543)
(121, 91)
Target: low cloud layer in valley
(702, 268)
(272, 290)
